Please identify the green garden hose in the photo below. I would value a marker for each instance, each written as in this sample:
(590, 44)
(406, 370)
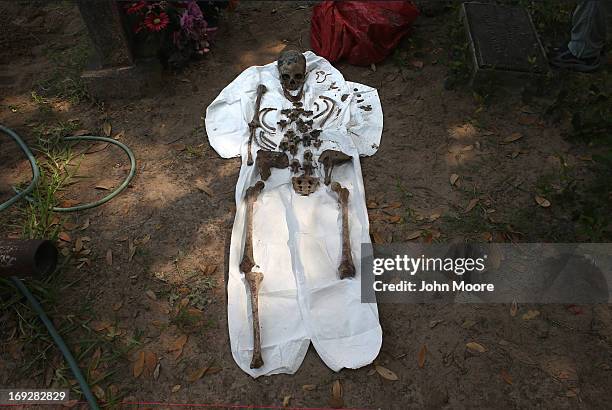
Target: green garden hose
(19, 284)
(113, 194)
(35, 172)
(59, 342)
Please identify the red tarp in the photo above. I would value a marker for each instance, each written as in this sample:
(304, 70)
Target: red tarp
(362, 32)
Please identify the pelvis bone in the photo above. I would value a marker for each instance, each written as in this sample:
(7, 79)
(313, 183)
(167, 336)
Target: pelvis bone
(267, 160)
(329, 159)
(306, 184)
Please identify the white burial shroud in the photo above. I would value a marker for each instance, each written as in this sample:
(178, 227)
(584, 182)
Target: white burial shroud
(297, 239)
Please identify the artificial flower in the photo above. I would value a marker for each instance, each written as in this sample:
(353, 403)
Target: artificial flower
(156, 22)
(135, 7)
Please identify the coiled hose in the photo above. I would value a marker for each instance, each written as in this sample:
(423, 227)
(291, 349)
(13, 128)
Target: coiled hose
(91, 400)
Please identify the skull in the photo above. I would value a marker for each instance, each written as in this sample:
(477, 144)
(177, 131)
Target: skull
(291, 69)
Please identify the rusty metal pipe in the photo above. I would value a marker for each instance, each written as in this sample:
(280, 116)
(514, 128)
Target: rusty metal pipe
(27, 257)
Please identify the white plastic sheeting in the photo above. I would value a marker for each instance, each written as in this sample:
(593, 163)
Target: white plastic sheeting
(297, 239)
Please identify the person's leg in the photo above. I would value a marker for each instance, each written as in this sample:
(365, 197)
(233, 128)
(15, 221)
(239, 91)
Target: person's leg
(589, 29)
(583, 53)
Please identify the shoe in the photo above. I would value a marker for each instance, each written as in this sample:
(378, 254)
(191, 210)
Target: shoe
(563, 58)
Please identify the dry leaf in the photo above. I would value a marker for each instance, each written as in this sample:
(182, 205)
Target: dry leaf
(435, 323)
(131, 250)
(393, 205)
(197, 374)
(67, 225)
(513, 137)
(286, 401)
(386, 373)
(107, 128)
(139, 364)
(371, 205)
(78, 245)
(495, 257)
(487, 236)
(513, 308)
(95, 359)
(85, 225)
(561, 368)
(543, 202)
(150, 363)
(102, 187)
(422, 355)
(204, 188)
(453, 179)
(100, 325)
(309, 387)
(117, 305)
(471, 205)
(336, 400)
(98, 392)
(476, 347)
(506, 376)
(156, 371)
(109, 257)
(572, 392)
(64, 236)
(394, 219)
(151, 295)
(178, 345)
(70, 404)
(81, 132)
(210, 269)
(337, 389)
(531, 314)
(413, 235)
(66, 203)
(377, 238)
(176, 388)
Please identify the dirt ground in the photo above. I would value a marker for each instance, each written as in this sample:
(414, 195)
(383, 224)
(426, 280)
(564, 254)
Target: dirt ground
(168, 233)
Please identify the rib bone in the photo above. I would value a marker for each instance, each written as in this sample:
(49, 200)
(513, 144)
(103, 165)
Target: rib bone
(346, 268)
(254, 124)
(262, 118)
(333, 107)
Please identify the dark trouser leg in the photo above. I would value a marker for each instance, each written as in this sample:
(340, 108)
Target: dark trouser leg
(589, 29)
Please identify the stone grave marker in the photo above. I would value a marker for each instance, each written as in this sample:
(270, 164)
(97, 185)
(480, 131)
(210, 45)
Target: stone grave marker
(504, 44)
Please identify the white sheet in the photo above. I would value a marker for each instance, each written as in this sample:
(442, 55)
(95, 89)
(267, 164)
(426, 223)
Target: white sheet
(297, 239)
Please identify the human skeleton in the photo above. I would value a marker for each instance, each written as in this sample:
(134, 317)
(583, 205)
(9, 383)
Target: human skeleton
(292, 73)
(296, 142)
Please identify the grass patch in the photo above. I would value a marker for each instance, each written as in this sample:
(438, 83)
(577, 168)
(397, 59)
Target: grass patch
(23, 331)
(65, 79)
